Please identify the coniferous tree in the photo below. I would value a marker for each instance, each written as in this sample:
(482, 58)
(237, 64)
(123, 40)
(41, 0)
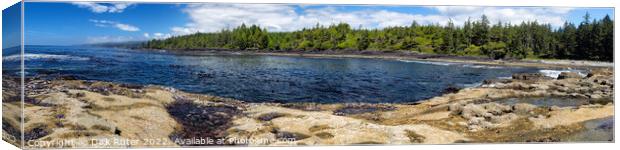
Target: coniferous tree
(590, 39)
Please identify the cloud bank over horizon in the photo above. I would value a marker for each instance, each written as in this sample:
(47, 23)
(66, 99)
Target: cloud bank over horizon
(280, 17)
(120, 26)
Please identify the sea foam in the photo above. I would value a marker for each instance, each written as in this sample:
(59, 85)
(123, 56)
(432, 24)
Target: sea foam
(427, 62)
(450, 64)
(44, 57)
(482, 66)
(556, 73)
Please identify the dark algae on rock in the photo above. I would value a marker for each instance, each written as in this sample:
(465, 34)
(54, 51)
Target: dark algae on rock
(200, 122)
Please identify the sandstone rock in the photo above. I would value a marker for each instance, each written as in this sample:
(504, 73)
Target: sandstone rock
(494, 81)
(456, 108)
(523, 108)
(577, 95)
(602, 72)
(473, 110)
(496, 109)
(567, 75)
(475, 120)
(554, 108)
(473, 127)
(522, 86)
(487, 125)
(529, 76)
(451, 89)
(504, 118)
(595, 96)
(540, 86)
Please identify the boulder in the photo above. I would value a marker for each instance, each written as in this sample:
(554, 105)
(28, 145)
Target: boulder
(475, 120)
(456, 108)
(473, 110)
(504, 118)
(493, 81)
(496, 109)
(568, 75)
(600, 71)
(595, 96)
(554, 108)
(523, 108)
(451, 89)
(529, 76)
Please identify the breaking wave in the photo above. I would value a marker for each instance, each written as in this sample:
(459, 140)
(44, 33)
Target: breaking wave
(482, 66)
(427, 62)
(449, 64)
(27, 57)
(556, 73)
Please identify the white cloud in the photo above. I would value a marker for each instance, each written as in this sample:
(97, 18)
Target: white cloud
(278, 17)
(126, 27)
(120, 26)
(157, 35)
(108, 39)
(183, 31)
(556, 16)
(103, 8)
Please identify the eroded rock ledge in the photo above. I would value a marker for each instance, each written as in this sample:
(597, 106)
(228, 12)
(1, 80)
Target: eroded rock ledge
(528, 108)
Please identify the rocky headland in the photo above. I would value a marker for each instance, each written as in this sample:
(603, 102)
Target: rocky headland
(69, 112)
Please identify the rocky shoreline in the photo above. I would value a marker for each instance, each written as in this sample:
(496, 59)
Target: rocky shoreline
(407, 56)
(90, 114)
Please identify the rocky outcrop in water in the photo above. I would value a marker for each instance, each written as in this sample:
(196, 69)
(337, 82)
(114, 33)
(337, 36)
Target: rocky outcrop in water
(597, 87)
(567, 75)
(529, 76)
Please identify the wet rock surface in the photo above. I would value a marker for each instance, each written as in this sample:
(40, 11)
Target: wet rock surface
(450, 89)
(597, 130)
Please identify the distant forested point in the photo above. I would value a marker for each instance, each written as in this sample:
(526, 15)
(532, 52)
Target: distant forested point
(589, 40)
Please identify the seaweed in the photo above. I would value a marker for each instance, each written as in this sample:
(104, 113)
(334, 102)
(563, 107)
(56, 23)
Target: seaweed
(200, 121)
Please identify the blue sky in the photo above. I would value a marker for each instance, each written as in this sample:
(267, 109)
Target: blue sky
(11, 30)
(87, 22)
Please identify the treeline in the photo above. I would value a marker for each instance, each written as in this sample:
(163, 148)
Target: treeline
(589, 40)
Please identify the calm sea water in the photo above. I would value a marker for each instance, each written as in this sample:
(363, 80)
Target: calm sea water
(260, 78)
